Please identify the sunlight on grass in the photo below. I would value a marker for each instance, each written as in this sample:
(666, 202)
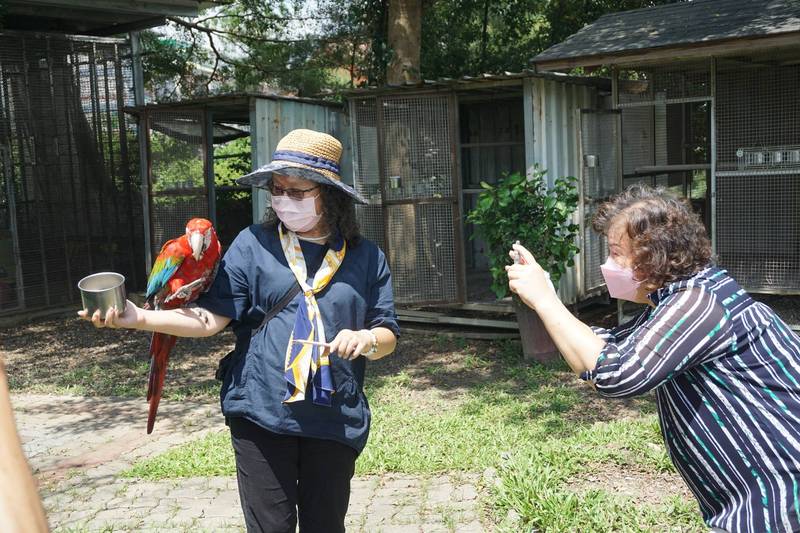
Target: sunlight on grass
(527, 423)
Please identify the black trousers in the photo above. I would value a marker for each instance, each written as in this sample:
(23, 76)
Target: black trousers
(283, 478)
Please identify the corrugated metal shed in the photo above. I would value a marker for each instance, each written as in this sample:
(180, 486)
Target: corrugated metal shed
(552, 141)
(194, 123)
(550, 103)
(272, 118)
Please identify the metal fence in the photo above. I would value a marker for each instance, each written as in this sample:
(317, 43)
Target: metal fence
(177, 173)
(404, 163)
(758, 171)
(599, 135)
(729, 126)
(70, 201)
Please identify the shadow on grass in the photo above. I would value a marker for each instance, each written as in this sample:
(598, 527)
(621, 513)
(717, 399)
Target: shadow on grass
(483, 376)
(63, 354)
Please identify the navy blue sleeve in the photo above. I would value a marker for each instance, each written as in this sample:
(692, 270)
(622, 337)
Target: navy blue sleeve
(229, 294)
(380, 300)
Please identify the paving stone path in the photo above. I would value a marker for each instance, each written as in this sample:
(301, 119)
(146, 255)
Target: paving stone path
(79, 446)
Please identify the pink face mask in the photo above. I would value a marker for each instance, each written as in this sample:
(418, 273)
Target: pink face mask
(620, 281)
(297, 215)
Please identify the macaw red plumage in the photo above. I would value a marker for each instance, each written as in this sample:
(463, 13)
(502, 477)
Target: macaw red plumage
(183, 270)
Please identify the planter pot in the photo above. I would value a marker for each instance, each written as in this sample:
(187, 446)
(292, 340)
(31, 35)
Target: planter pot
(536, 342)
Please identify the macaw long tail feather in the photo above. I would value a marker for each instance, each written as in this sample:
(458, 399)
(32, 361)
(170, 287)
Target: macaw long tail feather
(160, 347)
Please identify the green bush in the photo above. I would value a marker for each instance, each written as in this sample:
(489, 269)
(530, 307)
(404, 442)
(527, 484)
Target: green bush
(524, 209)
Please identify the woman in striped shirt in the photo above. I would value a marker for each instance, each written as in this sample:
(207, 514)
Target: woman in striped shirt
(725, 368)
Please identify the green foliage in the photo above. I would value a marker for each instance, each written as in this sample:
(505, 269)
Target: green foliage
(524, 209)
(322, 47)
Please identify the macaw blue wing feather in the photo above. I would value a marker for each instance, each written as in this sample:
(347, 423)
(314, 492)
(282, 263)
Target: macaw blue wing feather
(164, 268)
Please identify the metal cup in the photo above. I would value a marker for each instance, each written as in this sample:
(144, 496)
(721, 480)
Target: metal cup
(103, 291)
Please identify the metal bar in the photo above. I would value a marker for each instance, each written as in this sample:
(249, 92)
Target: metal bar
(147, 187)
(208, 156)
(580, 264)
(659, 169)
(111, 165)
(142, 136)
(51, 87)
(82, 175)
(529, 125)
(458, 203)
(99, 143)
(382, 178)
(491, 145)
(713, 128)
(667, 101)
(757, 172)
(620, 165)
(19, 34)
(8, 166)
(42, 248)
(125, 161)
(419, 201)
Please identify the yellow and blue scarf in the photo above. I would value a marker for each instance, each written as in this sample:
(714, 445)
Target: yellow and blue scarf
(308, 363)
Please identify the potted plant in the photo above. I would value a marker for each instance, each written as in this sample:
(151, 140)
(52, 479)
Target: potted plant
(524, 209)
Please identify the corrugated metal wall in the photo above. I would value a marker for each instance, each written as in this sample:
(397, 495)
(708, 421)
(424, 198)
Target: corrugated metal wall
(551, 126)
(271, 119)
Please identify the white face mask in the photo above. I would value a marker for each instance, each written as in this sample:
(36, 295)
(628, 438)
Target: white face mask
(620, 281)
(296, 215)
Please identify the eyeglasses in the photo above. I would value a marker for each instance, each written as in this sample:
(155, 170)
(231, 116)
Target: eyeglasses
(295, 194)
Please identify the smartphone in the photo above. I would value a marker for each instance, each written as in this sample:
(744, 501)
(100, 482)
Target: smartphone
(517, 255)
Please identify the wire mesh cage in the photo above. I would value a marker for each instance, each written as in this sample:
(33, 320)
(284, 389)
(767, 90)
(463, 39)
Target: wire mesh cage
(599, 136)
(422, 254)
(667, 140)
(366, 168)
(178, 190)
(403, 162)
(70, 203)
(758, 170)
(417, 147)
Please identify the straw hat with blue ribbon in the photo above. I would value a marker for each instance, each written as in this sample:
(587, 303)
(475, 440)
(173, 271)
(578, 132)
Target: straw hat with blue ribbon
(305, 154)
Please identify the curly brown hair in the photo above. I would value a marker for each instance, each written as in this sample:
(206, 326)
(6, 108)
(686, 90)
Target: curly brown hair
(668, 240)
(339, 213)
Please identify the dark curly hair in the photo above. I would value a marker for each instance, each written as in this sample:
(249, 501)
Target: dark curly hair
(339, 213)
(668, 240)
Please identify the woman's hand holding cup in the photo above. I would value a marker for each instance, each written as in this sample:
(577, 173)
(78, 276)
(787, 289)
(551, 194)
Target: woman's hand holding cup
(130, 318)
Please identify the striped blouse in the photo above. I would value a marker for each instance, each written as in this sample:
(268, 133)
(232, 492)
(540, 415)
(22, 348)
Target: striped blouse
(726, 371)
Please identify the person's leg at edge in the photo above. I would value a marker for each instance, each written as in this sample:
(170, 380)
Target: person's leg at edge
(266, 471)
(326, 468)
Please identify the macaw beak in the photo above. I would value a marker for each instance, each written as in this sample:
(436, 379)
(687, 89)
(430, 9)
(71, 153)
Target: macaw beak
(196, 243)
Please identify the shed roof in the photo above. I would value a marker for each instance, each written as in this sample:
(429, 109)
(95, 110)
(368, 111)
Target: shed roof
(482, 82)
(623, 37)
(93, 17)
(226, 108)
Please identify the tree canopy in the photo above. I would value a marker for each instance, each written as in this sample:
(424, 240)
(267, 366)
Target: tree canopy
(310, 48)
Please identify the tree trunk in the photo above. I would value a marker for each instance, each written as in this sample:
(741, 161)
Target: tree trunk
(405, 36)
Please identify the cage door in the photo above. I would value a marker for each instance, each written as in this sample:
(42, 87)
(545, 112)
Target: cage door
(419, 197)
(177, 172)
(599, 138)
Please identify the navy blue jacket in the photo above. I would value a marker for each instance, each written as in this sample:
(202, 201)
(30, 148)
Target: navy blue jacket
(252, 278)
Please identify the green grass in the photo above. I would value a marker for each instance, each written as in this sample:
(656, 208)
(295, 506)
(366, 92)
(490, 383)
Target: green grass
(209, 456)
(474, 411)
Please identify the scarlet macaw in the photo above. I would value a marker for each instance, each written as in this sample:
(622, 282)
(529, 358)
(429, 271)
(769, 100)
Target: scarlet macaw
(183, 270)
